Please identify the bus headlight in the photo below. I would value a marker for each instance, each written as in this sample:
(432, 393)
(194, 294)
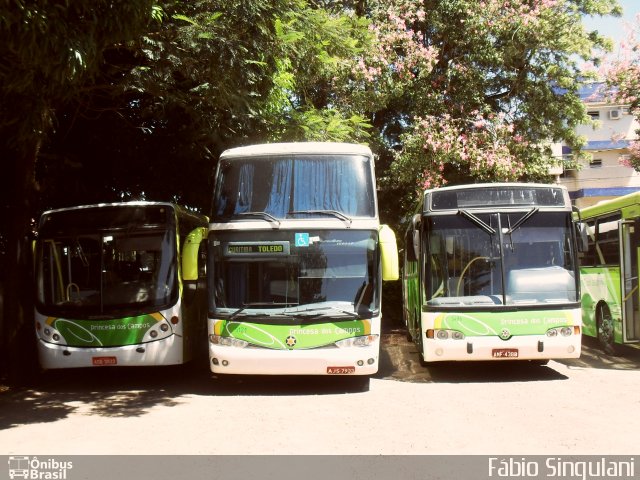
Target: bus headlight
(159, 331)
(227, 341)
(363, 341)
(445, 334)
(563, 331)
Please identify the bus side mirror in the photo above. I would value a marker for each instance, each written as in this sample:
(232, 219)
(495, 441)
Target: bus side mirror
(190, 253)
(388, 253)
(416, 221)
(582, 236)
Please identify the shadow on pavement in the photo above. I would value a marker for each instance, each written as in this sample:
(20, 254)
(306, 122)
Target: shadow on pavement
(627, 357)
(131, 392)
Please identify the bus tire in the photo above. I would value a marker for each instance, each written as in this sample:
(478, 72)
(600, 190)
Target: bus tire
(539, 363)
(358, 383)
(605, 328)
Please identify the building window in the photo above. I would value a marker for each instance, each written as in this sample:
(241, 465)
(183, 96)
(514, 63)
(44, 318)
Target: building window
(594, 114)
(595, 163)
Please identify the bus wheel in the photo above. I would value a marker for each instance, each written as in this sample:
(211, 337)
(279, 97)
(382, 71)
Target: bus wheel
(605, 330)
(540, 363)
(357, 383)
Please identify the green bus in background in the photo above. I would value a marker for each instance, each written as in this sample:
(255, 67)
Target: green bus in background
(609, 271)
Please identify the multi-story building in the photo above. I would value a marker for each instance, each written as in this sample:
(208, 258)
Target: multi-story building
(605, 175)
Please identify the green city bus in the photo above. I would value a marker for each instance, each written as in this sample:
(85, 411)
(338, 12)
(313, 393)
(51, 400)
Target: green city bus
(490, 273)
(609, 271)
(120, 284)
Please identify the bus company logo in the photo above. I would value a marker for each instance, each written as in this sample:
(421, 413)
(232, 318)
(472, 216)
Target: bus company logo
(505, 334)
(291, 341)
(33, 468)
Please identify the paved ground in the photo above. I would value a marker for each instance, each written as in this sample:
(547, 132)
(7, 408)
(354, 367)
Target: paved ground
(584, 406)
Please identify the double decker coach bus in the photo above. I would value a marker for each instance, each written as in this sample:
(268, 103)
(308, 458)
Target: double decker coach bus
(297, 257)
(120, 284)
(609, 271)
(490, 273)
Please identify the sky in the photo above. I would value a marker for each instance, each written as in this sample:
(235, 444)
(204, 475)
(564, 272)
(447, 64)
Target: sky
(614, 27)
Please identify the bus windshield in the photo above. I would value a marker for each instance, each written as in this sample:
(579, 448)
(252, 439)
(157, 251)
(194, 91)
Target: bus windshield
(488, 259)
(288, 186)
(332, 275)
(105, 273)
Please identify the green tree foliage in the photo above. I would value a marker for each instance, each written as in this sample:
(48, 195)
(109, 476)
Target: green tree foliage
(175, 97)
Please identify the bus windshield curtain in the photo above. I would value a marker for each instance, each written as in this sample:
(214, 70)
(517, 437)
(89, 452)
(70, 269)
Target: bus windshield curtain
(326, 184)
(245, 188)
(321, 183)
(280, 194)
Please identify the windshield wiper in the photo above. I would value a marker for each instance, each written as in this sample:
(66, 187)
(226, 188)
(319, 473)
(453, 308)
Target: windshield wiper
(263, 215)
(334, 213)
(319, 312)
(471, 217)
(524, 218)
(256, 304)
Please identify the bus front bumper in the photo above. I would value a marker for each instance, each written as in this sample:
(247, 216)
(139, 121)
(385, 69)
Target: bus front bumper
(525, 347)
(167, 351)
(317, 361)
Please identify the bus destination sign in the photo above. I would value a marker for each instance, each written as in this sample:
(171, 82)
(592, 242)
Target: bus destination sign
(253, 249)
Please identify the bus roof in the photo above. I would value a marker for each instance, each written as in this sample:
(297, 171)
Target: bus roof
(179, 209)
(497, 184)
(113, 204)
(310, 148)
(613, 205)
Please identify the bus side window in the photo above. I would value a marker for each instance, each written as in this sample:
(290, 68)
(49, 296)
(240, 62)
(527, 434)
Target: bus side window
(607, 241)
(589, 256)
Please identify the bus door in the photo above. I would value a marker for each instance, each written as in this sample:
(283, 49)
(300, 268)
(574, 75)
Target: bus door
(630, 246)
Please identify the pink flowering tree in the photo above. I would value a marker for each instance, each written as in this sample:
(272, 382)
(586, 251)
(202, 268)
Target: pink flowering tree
(623, 79)
(502, 85)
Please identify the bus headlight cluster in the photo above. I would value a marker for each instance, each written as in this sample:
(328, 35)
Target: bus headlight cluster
(49, 334)
(363, 341)
(227, 341)
(445, 334)
(159, 331)
(563, 331)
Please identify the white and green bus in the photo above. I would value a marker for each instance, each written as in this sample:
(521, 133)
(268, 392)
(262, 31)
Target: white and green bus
(609, 271)
(297, 257)
(490, 273)
(120, 284)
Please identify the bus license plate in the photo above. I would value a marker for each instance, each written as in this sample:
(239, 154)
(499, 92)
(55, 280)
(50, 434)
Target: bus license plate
(504, 353)
(104, 361)
(340, 370)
